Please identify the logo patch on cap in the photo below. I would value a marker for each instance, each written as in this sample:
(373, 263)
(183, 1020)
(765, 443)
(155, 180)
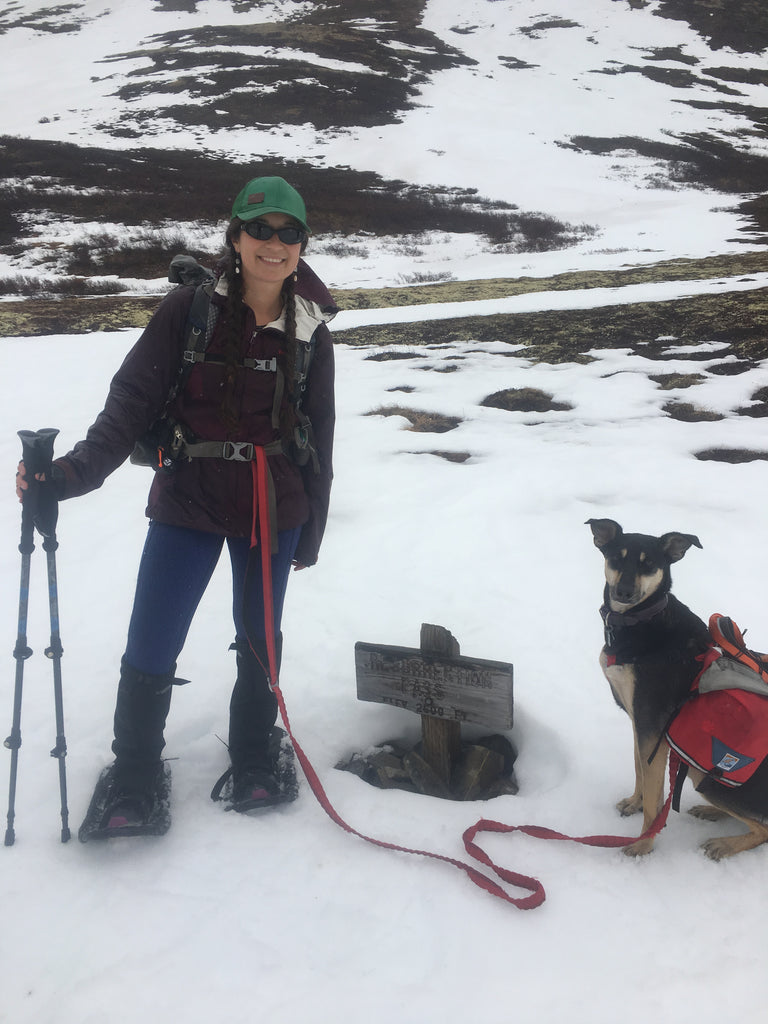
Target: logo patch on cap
(256, 198)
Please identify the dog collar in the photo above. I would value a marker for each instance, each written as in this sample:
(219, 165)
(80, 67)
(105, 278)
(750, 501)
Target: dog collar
(614, 621)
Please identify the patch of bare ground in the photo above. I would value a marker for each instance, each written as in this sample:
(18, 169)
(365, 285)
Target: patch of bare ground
(390, 354)
(675, 381)
(735, 456)
(739, 26)
(43, 317)
(420, 421)
(357, 63)
(699, 160)
(686, 412)
(729, 265)
(524, 400)
(738, 321)
(448, 456)
(759, 406)
(730, 367)
(154, 193)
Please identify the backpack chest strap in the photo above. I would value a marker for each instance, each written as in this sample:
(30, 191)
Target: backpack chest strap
(265, 365)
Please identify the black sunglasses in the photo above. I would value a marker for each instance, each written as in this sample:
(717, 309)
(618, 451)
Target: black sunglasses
(263, 232)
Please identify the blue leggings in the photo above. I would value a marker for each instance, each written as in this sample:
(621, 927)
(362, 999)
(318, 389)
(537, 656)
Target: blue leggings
(175, 569)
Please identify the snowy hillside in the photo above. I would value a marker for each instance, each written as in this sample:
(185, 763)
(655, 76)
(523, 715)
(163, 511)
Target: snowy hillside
(396, 118)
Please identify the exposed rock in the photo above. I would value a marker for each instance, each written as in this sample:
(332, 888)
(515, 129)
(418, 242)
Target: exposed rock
(424, 777)
(483, 769)
(502, 746)
(390, 771)
(503, 786)
(475, 771)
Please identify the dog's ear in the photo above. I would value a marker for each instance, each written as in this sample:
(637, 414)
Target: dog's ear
(604, 531)
(676, 544)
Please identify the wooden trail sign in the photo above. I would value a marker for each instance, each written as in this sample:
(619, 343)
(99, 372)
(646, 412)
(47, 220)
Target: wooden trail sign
(437, 683)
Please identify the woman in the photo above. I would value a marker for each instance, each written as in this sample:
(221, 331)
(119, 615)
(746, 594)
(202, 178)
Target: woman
(244, 395)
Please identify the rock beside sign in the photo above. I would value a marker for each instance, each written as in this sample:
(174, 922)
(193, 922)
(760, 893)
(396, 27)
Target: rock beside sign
(482, 770)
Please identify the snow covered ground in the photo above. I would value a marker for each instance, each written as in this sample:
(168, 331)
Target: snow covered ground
(287, 917)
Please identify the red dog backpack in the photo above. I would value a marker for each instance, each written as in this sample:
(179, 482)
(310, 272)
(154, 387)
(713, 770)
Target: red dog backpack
(722, 729)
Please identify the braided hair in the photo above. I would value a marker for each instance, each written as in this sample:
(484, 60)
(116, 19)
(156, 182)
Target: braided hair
(234, 317)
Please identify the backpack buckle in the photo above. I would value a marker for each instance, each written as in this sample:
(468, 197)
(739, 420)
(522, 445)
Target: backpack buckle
(237, 451)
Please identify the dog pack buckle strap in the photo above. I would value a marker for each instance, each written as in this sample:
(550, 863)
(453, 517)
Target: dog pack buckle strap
(729, 638)
(682, 775)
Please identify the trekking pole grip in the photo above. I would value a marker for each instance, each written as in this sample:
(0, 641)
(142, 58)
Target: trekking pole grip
(40, 509)
(37, 449)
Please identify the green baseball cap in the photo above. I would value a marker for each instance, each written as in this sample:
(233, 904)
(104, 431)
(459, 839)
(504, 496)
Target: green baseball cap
(270, 195)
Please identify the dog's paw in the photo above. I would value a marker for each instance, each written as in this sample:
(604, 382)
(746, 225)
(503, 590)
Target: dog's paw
(639, 849)
(629, 805)
(706, 812)
(718, 849)
(729, 846)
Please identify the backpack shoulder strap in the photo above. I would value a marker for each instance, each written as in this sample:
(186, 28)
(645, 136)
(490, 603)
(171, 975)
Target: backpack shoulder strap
(201, 321)
(305, 351)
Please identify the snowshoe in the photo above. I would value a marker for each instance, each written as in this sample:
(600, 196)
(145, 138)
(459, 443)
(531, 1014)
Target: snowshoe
(256, 788)
(115, 813)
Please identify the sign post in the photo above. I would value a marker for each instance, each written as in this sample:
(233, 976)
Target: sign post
(437, 683)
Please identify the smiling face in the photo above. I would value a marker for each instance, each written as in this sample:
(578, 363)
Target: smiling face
(267, 262)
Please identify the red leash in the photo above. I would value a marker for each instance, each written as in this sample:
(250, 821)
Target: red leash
(539, 832)
(537, 896)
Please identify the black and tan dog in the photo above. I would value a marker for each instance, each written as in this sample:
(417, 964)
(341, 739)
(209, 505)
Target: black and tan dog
(649, 658)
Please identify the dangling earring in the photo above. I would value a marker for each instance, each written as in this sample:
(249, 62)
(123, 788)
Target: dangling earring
(237, 263)
(295, 276)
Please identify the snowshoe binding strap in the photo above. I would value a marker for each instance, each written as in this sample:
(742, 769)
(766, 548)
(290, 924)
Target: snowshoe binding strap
(252, 790)
(218, 789)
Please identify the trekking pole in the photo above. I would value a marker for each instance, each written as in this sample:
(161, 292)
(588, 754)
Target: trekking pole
(39, 513)
(21, 653)
(54, 652)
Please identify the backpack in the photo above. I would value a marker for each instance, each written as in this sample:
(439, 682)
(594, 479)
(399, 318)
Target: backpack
(722, 728)
(167, 440)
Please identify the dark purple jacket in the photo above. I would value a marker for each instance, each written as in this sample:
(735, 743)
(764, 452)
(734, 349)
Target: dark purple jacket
(215, 494)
